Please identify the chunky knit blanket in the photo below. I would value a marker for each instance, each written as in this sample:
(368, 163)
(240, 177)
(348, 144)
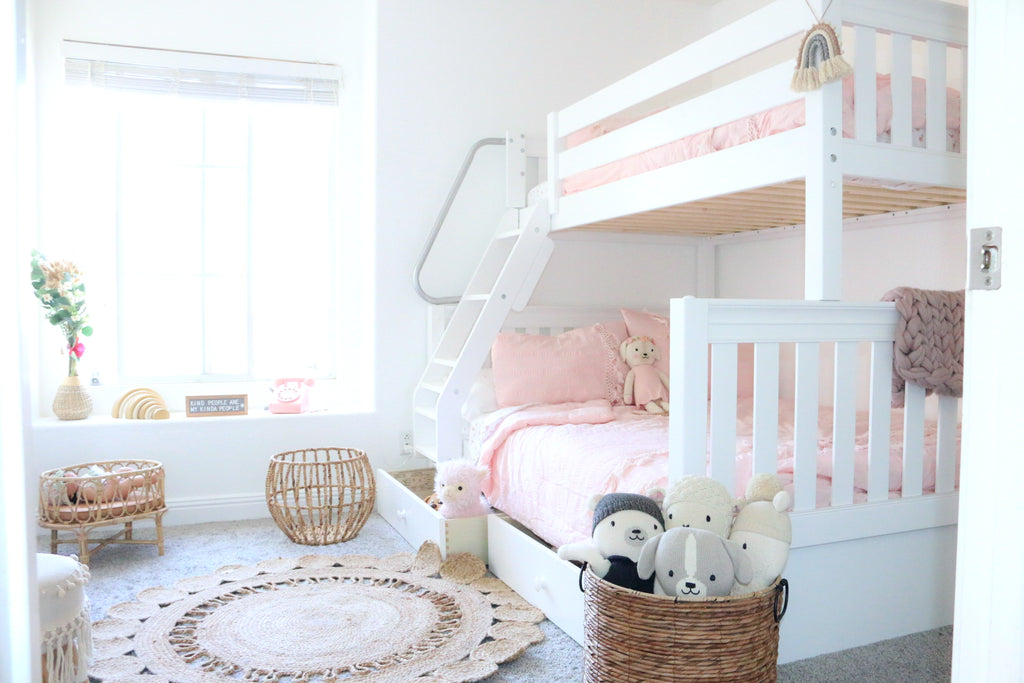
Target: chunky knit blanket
(929, 349)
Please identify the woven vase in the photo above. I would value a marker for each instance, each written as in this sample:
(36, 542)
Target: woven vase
(72, 401)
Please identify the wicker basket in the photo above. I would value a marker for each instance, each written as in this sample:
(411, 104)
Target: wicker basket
(320, 496)
(633, 636)
(81, 498)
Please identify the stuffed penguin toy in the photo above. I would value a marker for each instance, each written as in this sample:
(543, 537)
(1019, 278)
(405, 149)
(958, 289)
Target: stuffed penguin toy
(623, 523)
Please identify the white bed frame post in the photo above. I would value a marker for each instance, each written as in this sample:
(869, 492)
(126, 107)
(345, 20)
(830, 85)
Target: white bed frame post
(823, 245)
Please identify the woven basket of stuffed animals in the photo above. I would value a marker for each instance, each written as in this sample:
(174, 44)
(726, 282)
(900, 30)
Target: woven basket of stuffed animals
(634, 636)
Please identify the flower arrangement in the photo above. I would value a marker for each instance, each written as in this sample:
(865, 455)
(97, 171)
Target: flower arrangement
(58, 286)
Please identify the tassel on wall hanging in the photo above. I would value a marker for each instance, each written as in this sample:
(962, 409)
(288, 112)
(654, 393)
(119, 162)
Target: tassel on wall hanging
(820, 58)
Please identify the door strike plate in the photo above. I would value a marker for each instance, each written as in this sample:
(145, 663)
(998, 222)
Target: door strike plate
(985, 258)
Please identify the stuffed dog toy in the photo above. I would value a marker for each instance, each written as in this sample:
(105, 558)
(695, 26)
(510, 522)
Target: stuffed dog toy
(693, 564)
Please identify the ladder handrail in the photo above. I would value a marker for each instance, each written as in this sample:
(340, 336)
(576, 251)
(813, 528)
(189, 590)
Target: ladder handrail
(449, 200)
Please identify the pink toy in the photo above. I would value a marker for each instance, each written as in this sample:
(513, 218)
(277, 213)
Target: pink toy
(457, 485)
(291, 395)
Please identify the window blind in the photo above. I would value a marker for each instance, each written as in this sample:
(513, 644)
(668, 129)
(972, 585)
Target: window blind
(200, 75)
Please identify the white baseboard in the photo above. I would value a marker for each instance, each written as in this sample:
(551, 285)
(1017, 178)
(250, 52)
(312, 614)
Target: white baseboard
(200, 509)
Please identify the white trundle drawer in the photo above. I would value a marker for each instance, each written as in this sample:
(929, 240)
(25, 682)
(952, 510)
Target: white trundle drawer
(400, 501)
(534, 570)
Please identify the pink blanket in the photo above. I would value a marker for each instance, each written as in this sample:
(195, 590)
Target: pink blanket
(546, 461)
(761, 125)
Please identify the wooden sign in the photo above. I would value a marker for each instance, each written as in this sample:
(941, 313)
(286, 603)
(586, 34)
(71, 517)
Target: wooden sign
(205, 406)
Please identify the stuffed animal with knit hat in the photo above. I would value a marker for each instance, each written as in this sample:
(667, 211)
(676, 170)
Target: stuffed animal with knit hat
(700, 502)
(763, 530)
(622, 524)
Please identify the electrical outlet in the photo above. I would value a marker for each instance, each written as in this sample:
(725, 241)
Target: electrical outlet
(406, 438)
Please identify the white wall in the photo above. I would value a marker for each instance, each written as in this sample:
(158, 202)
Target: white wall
(436, 77)
(926, 249)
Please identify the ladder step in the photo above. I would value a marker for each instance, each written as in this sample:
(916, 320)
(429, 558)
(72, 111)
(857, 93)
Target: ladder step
(429, 413)
(427, 452)
(475, 297)
(436, 387)
(447, 362)
(508, 234)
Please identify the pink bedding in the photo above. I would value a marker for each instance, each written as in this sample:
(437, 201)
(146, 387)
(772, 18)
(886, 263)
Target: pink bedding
(546, 461)
(761, 125)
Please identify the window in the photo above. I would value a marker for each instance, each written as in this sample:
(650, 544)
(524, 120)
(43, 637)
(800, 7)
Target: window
(219, 176)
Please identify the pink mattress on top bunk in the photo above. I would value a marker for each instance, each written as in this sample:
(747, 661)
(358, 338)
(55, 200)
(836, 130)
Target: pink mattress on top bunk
(761, 125)
(546, 461)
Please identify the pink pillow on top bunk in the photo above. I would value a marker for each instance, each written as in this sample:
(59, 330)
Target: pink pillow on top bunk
(578, 365)
(644, 324)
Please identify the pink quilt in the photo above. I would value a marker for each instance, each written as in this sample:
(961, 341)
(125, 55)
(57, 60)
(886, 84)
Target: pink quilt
(546, 461)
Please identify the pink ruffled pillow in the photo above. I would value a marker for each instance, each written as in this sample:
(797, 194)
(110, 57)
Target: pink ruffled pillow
(578, 365)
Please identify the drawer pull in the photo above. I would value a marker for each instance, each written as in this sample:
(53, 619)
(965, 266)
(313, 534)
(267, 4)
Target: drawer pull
(400, 514)
(540, 584)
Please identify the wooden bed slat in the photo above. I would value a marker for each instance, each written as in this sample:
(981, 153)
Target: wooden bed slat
(771, 207)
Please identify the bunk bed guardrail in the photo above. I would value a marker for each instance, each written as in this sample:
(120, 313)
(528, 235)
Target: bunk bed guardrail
(702, 425)
(923, 37)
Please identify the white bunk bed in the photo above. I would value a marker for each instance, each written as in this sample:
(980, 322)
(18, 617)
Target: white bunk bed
(811, 174)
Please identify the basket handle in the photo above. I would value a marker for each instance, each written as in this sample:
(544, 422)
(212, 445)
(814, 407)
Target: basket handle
(583, 568)
(781, 599)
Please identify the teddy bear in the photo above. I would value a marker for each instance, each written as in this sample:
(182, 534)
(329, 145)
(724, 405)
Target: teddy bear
(701, 502)
(693, 564)
(622, 524)
(646, 387)
(457, 486)
(763, 530)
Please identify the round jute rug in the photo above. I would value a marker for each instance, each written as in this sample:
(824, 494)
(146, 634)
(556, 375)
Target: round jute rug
(320, 619)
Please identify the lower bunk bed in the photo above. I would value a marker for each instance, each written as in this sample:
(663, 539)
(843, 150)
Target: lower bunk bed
(874, 519)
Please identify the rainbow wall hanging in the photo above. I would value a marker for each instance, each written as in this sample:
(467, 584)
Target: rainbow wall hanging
(820, 59)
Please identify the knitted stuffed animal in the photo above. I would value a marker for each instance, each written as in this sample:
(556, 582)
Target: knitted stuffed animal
(623, 522)
(457, 486)
(701, 502)
(693, 564)
(646, 387)
(763, 530)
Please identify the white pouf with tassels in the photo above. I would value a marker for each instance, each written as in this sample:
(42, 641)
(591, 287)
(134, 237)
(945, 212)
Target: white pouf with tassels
(64, 622)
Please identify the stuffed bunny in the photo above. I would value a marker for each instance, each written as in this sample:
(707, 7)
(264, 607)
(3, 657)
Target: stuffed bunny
(763, 530)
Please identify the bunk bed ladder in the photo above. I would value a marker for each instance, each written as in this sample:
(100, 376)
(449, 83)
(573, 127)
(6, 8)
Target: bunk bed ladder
(502, 282)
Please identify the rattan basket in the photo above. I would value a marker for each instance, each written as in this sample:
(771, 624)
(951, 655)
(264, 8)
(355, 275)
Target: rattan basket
(633, 636)
(320, 496)
(81, 498)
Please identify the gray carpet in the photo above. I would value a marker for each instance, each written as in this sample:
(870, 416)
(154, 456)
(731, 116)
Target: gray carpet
(119, 572)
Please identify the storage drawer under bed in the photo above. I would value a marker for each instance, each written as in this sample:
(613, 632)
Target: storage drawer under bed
(533, 570)
(400, 501)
